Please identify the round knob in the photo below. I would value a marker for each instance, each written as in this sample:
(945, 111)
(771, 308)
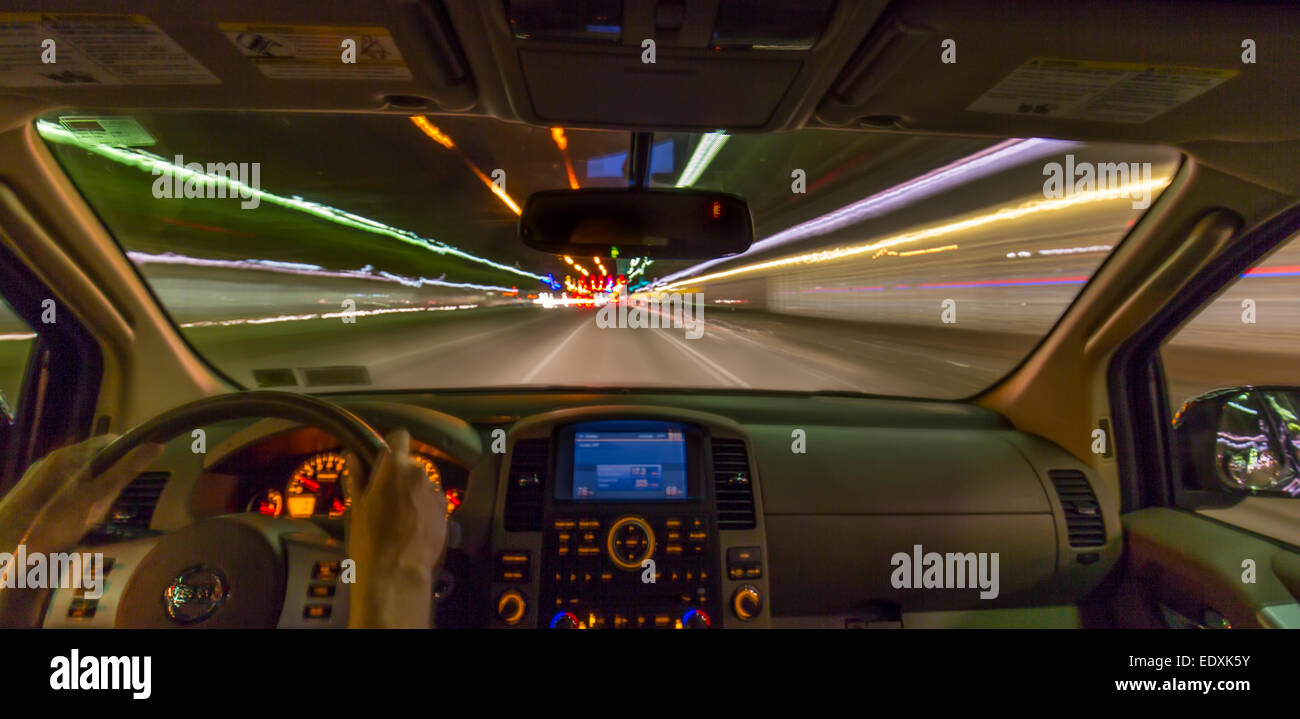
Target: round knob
(630, 542)
(564, 620)
(696, 619)
(746, 602)
(511, 607)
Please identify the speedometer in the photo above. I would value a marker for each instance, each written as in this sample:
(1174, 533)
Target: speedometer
(316, 487)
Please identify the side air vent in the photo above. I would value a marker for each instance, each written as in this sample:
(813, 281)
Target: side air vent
(733, 489)
(526, 485)
(1082, 512)
(135, 505)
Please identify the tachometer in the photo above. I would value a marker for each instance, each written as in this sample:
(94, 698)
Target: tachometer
(316, 487)
(452, 494)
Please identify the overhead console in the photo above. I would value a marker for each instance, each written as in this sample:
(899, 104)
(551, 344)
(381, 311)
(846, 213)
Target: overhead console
(756, 64)
(628, 518)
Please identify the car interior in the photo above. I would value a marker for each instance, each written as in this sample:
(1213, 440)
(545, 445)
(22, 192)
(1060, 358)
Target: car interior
(700, 313)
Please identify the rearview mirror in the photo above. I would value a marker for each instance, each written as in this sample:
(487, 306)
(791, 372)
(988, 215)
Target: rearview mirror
(667, 224)
(1248, 438)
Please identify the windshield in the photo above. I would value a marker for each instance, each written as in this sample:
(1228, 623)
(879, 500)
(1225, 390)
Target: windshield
(332, 252)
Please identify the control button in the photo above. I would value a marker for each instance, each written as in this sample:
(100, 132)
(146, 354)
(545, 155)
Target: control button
(320, 591)
(83, 608)
(587, 538)
(746, 603)
(564, 537)
(620, 621)
(565, 524)
(325, 571)
(511, 607)
(588, 551)
(696, 619)
(564, 620)
(630, 541)
(743, 555)
(663, 621)
(744, 562)
(673, 523)
(513, 566)
(588, 524)
(316, 611)
(673, 550)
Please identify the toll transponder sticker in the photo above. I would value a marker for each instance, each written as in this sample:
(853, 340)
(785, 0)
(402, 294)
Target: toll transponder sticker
(1098, 91)
(307, 52)
(76, 49)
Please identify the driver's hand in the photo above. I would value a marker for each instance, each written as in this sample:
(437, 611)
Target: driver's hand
(397, 534)
(57, 501)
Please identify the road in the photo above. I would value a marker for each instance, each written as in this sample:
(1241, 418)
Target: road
(738, 349)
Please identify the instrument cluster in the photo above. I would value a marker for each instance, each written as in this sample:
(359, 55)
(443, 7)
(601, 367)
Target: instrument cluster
(315, 487)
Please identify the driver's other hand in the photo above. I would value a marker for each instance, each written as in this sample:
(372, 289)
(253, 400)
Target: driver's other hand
(397, 534)
(57, 501)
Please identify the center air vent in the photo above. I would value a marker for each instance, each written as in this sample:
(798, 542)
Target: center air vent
(1082, 512)
(733, 489)
(135, 505)
(526, 485)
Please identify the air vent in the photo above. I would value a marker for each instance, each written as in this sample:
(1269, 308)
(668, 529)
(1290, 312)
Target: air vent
(335, 376)
(733, 489)
(1082, 512)
(526, 485)
(135, 505)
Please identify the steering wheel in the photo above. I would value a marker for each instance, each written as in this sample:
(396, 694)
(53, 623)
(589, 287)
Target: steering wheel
(234, 571)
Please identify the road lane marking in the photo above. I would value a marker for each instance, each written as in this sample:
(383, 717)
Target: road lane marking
(546, 360)
(707, 363)
(794, 357)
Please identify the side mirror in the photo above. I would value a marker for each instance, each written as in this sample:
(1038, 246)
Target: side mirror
(1248, 438)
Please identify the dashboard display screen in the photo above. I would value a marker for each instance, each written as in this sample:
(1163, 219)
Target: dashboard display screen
(629, 461)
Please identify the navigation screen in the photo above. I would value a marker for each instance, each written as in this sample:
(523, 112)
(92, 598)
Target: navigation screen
(645, 462)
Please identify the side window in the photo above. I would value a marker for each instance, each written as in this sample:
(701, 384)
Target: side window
(1235, 452)
(16, 341)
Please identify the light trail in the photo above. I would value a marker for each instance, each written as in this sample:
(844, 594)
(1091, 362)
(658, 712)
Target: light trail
(154, 164)
(1005, 214)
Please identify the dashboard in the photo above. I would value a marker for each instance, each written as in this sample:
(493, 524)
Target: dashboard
(653, 511)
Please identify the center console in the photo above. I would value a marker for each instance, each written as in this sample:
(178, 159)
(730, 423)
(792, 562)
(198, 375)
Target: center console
(611, 521)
